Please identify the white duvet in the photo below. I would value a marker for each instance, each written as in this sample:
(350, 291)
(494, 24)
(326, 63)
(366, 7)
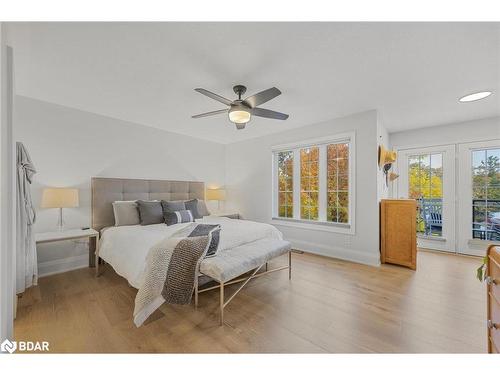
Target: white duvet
(126, 247)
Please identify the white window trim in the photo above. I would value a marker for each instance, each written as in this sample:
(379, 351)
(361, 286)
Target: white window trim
(321, 224)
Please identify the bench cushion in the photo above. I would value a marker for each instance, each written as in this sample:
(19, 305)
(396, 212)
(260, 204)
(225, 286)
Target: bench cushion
(235, 262)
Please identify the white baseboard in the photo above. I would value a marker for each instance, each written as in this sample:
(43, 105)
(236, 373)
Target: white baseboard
(62, 265)
(81, 261)
(337, 252)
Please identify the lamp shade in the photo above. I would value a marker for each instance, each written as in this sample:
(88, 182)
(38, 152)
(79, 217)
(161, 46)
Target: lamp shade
(59, 198)
(216, 194)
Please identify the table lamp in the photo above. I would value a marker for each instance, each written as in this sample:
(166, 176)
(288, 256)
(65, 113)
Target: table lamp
(216, 195)
(59, 198)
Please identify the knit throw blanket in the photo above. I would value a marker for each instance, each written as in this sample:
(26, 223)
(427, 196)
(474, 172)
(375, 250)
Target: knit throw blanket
(171, 266)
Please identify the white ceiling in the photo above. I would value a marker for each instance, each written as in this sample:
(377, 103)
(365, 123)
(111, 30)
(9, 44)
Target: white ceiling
(413, 73)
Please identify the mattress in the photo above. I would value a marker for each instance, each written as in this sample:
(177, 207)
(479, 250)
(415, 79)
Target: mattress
(125, 248)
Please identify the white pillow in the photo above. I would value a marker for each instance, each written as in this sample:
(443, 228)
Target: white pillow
(126, 213)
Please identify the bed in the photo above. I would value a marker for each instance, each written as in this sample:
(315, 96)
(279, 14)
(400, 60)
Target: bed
(245, 247)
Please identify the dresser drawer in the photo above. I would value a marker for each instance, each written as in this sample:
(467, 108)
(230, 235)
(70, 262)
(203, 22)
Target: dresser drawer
(494, 273)
(494, 314)
(493, 282)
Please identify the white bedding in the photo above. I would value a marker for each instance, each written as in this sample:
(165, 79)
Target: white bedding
(126, 247)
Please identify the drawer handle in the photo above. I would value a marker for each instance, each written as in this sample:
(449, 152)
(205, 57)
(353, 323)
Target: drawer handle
(491, 281)
(492, 325)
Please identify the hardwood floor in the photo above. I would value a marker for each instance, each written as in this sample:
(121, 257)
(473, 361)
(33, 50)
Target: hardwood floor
(329, 306)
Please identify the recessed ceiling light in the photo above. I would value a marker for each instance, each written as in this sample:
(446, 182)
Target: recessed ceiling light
(475, 96)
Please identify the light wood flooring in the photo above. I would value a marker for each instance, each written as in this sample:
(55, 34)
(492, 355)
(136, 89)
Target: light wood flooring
(329, 306)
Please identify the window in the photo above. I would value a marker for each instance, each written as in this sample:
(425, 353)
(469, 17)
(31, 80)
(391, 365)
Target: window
(486, 194)
(309, 187)
(338, 182)
(285, 183)
(313, 182)
(425, 185)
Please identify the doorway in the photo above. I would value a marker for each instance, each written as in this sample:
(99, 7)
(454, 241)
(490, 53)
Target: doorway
(428, 176)
(457, 189)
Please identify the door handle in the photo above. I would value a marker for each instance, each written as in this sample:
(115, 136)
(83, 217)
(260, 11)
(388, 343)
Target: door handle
(492, 325)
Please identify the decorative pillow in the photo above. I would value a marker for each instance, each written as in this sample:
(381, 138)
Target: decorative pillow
(171, 206)
(202, 208)
(192, 206)
(176, 217)
(126, 213)
(204, 230)
(150, 212)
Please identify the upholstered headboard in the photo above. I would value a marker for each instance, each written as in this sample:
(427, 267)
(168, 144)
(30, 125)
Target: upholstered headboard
(107, 190)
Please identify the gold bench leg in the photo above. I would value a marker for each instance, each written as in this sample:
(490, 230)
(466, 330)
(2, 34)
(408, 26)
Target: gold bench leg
(196, 291)
(221, 301)
(290, 265)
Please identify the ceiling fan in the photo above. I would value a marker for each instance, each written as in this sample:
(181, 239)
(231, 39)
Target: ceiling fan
(240, 111)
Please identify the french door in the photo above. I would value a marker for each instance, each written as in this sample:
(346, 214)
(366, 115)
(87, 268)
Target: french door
(457, 189)
(479, 196)
(428, 176)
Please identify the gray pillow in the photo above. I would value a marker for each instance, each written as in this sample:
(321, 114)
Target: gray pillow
(176, 217)
(126, 213)
(171, 206)
(150, 212)
(192, 206)
(202, 208)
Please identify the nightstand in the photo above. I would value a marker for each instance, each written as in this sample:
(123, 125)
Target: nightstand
(230, 215)
(71, 234)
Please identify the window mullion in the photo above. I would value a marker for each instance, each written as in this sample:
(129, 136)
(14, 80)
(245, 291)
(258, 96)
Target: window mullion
(322, 195)
(296, 184)
(275, 200)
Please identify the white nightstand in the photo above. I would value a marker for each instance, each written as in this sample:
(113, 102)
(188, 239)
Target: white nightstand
(72, 234)
(231, 215)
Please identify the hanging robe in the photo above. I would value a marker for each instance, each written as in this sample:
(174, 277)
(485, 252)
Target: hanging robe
(26, 260)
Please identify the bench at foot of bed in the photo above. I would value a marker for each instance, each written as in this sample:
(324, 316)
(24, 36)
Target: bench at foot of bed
(227, 267)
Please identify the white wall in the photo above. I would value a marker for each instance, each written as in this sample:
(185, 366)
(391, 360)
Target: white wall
(7, 192)
(70, 146)
(249, 187)
(469, 131)
(383, 188)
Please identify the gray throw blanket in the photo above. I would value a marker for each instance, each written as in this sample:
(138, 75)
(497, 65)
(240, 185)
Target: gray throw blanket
(171, 266)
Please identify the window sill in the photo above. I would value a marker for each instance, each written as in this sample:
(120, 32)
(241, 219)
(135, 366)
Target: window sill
(319, 226)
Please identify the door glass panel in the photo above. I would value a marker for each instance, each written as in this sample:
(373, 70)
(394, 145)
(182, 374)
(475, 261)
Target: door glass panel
(425, 184)
(285, 184)
(309, 186)
(486, 194)
(337, 183)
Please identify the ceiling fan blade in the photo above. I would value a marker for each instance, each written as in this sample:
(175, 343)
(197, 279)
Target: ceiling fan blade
(214, 96)
(267, 113)
(210, 113)
(262, 97)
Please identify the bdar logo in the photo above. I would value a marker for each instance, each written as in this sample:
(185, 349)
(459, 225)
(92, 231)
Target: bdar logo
(8, 346)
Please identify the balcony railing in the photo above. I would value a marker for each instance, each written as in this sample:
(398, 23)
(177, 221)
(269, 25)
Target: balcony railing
(430, 216)
(485, 218)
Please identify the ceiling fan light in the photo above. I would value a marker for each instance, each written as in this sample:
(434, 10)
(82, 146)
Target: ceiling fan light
(239, 116)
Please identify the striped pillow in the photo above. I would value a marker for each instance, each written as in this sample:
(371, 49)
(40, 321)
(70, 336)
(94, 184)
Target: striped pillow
(176, 217)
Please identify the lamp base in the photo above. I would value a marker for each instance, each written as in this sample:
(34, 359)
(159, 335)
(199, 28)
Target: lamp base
(60, 221)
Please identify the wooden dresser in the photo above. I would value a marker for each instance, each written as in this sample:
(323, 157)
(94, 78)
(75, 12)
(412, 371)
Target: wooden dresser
(493, 289)
(398, 236)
